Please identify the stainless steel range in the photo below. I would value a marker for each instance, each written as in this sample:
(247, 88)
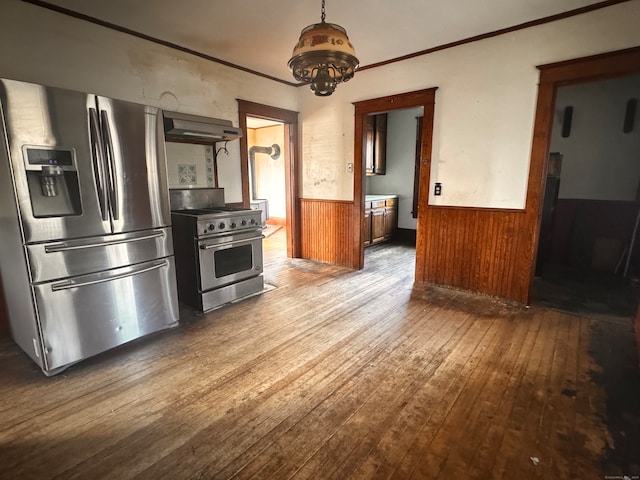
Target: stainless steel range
(218, 249)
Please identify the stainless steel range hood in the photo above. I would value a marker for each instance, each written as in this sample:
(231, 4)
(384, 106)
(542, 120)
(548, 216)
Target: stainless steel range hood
(182, 127)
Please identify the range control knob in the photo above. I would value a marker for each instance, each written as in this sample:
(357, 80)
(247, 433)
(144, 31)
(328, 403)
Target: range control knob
(221, 225)
(243, 222)
(253, 221)
(211, 226)
(233, 225)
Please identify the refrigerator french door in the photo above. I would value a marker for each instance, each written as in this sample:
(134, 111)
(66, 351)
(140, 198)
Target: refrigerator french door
(87, 254)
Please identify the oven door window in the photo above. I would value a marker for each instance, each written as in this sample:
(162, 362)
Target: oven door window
(229, 261)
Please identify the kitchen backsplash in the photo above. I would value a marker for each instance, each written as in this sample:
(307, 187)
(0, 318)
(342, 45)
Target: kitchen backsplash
(190, 165)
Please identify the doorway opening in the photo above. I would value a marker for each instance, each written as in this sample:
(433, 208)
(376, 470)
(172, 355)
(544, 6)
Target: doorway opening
(584, 186)
(407, 121)
(270, 169)
(391, 182)
(266, 172)
(587, 253)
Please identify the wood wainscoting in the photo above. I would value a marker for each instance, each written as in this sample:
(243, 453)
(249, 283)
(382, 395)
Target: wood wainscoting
(592, 233)
(327, 231)
(473, 249)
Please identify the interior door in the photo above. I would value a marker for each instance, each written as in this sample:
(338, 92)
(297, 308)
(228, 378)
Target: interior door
(136, 165)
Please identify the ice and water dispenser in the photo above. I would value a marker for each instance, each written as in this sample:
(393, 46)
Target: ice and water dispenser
(52, 177)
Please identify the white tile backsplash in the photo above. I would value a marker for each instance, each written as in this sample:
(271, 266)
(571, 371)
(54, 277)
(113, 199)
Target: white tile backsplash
(187, 165)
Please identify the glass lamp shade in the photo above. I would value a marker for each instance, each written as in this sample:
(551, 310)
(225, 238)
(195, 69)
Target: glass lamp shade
(323, 57)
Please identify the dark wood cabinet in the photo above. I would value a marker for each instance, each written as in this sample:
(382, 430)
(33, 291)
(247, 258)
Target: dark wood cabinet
(369, 138)
(380, 154)
(375, 144)
(377, 225)
(390, 221)
(380, 220)
(366, 226)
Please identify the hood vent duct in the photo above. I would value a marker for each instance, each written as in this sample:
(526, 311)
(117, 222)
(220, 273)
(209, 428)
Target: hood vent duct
(182, 127)
(273, 151)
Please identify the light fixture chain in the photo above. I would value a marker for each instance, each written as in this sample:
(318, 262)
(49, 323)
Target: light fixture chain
(323, 15)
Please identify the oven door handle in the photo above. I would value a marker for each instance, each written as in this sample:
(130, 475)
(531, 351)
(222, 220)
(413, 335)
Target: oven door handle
(216, 245)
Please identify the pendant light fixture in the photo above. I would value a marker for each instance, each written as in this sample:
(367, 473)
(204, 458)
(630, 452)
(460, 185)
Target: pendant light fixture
(323, 57)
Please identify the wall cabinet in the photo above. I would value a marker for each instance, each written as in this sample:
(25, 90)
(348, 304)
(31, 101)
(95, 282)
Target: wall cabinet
(380, 219)
(375, 144)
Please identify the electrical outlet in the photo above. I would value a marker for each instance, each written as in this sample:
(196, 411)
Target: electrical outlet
(349, 167)
(437, 189)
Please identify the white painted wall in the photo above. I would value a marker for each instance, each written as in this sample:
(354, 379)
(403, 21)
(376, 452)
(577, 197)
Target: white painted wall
(600, 161)
(45, 47)
(401, 151)
(484, 112)
(485, 103)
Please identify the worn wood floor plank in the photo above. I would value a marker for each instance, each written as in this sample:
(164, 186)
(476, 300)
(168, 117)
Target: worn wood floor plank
(380, 408)
(399, 413)
(351, 390)
(485, 464)
(331, 374)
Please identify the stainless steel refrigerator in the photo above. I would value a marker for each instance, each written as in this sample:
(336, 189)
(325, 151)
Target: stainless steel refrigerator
(86, 253)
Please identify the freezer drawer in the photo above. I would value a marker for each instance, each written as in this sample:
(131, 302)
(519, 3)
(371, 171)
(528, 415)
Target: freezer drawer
(69, 258)
(83, 316)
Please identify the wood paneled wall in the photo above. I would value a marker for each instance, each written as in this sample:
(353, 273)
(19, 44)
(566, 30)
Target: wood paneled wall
(579, 223)
(473, 249)
(327, 231)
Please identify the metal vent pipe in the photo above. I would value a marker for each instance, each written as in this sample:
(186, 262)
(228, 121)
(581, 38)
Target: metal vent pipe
(273, 151)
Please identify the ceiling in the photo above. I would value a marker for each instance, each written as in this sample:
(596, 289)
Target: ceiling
(259, 35)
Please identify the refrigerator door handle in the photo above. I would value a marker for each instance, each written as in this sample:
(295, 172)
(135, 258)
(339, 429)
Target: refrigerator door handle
(64, 247)
(113, 177)
(68, 284)
(97, 151)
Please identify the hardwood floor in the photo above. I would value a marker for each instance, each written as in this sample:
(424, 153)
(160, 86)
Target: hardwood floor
(332, 374)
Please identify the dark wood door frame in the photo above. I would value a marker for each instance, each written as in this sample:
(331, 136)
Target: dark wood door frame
(290, 151)
(424, 98)
(552, 76)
